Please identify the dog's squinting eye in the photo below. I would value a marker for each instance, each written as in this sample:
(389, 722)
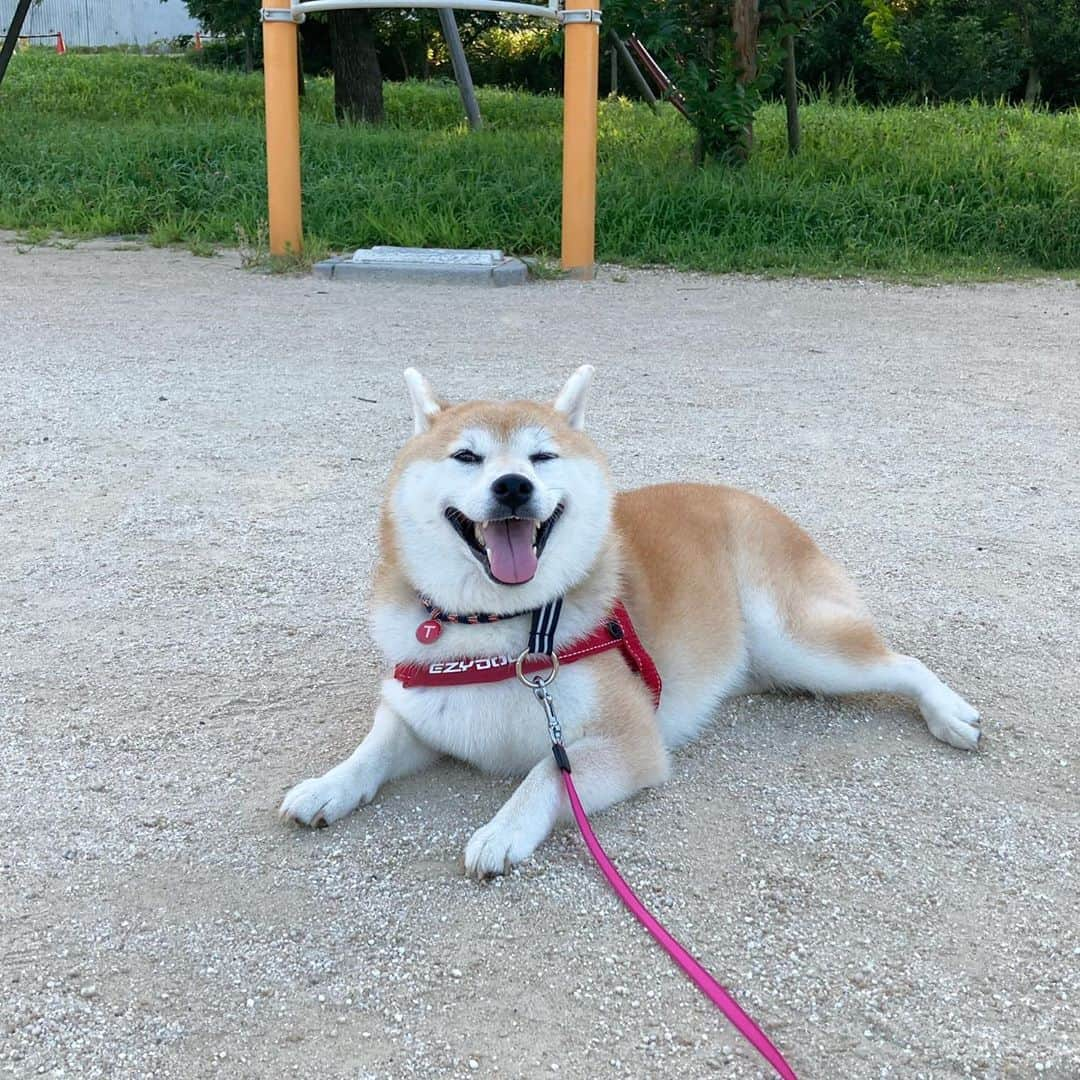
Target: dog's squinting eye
(542, 456)
(466, 457)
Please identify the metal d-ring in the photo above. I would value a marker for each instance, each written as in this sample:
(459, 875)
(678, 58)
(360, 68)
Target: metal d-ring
(535, 681)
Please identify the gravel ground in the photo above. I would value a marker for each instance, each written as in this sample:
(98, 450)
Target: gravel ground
(192, 457)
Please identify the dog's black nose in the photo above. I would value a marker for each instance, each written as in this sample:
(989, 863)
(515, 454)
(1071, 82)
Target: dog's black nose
(512, 490)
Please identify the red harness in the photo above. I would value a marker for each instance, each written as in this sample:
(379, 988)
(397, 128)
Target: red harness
(616, 631)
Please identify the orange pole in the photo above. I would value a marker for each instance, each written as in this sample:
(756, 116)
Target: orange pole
(282, 132)
(581, 77)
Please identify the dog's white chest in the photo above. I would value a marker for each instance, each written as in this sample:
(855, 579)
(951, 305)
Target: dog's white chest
(498, 727)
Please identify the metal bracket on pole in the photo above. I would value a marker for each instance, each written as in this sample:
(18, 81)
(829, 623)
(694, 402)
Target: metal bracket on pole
(281, 15)
(578, 16)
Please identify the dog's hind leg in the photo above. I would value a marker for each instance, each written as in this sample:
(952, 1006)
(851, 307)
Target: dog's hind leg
(390, 750)
(820, 638)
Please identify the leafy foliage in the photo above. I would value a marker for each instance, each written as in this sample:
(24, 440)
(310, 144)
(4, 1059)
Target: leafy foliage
(877, 50)
(507, 52)
(955, 50)
(235, 17)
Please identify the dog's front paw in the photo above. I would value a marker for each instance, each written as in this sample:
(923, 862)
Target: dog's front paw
(496, 847)
(951, 719)
(324, 799)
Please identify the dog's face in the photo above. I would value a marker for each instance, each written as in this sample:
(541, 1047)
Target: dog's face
(498, 506)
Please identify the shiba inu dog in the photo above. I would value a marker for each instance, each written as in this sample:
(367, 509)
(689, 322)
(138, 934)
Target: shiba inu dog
(494, 510)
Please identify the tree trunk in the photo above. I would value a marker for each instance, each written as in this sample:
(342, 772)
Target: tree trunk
(1034, 79)
(744, 23)
(358, 96)
(1033, 87)
(791, 86)
(249, 51)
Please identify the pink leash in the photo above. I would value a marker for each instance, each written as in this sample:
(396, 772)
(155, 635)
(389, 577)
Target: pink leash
(746, 1027)
(697, 974)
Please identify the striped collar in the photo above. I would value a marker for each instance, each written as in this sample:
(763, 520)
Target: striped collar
(474, 619)
(545, 621)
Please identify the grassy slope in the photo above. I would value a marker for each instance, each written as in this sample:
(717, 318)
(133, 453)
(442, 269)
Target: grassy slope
(126, 144)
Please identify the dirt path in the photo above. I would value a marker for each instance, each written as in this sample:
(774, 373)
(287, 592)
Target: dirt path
(191, 463)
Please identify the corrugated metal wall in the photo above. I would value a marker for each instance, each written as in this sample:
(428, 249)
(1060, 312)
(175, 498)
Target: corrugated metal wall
(104, 22)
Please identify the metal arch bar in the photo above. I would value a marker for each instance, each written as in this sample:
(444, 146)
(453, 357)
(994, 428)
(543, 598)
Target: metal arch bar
(537, 10)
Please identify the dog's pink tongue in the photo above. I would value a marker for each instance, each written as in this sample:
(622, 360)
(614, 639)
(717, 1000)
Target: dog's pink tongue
(510, 550)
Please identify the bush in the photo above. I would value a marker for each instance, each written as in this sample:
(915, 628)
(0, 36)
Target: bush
(527, 57)
(227, 53)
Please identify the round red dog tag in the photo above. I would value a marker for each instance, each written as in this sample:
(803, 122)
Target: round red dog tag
(428, 631)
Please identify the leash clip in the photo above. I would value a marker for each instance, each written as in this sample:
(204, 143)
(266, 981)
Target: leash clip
(554, 727)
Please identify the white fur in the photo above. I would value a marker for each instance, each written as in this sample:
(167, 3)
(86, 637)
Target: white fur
(692, 693)
(389, 751)
(539, 802)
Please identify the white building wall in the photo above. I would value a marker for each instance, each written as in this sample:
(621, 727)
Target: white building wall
(104, 22)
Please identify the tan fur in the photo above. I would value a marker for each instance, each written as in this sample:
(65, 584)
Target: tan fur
(628, 719)
(687, 548)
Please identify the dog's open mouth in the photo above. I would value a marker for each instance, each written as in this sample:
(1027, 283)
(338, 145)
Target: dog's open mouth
(509, 548)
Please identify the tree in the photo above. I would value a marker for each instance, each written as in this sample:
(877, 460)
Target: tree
(236, 18)
(1049, 33)
(358, 94)
(960, 49)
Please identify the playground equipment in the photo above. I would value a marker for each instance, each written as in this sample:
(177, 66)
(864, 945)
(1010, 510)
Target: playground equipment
(655, 72)
(580, 21)
(55, 36)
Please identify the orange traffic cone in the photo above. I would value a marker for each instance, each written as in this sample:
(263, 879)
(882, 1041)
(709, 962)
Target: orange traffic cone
(60, 47)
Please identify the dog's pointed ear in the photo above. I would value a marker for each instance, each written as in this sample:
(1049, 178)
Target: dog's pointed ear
(571, 399)
(425, 405)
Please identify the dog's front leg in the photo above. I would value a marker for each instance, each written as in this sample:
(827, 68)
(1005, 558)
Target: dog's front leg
(388, 751)
(606, 770)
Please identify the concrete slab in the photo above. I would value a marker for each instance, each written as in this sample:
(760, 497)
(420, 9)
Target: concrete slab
(453, 265)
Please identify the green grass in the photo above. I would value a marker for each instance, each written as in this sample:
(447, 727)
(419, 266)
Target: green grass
(119, 144)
